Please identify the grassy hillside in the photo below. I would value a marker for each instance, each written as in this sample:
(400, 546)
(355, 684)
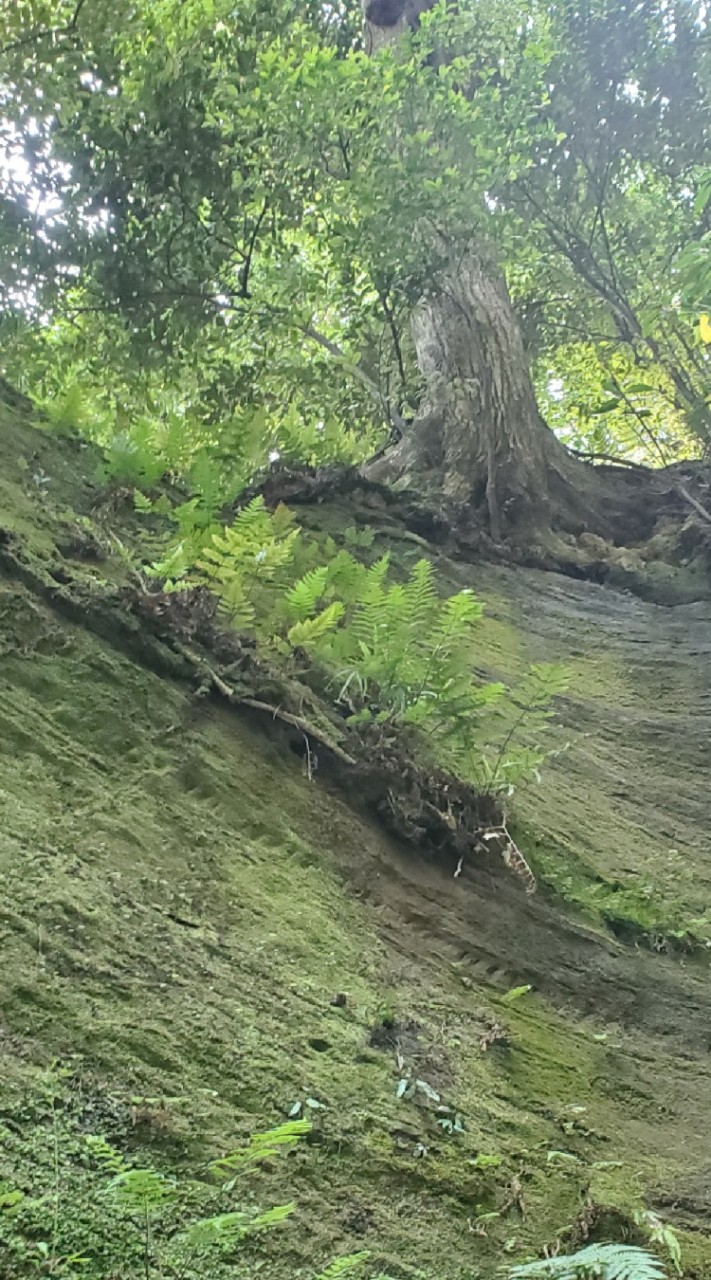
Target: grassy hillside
(196, 936)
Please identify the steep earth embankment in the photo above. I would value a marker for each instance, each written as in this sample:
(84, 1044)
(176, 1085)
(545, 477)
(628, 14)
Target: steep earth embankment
(180, 907)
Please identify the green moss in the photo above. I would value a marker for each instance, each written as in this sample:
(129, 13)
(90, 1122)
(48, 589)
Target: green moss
(179, 908)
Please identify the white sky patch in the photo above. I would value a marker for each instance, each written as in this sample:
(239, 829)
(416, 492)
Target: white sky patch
(16, 171)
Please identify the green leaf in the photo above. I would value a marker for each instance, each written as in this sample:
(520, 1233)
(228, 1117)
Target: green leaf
(314, 629)
(607, 406)
(516, 993)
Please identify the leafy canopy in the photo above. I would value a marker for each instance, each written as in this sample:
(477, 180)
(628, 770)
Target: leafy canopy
(206, 226)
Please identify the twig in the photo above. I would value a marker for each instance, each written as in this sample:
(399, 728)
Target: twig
(333, 349)
(309, 759)
(249, 255)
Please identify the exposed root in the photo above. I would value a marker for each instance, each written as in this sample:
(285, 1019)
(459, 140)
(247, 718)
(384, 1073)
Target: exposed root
(510, 853)
(694, 502)
(277, 713)
(641, 516)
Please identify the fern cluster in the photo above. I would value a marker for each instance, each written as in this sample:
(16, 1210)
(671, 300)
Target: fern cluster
(249, 562)
(148, 1223)
(385, 651)
(390, 651)
(595, 1262)
(396, 650)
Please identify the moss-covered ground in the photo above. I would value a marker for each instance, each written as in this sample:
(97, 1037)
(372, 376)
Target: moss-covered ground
(180, 907)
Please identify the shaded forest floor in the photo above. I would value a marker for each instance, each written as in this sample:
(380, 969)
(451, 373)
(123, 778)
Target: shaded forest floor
(180, 906)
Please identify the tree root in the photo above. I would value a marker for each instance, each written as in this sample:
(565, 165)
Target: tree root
(277, 713)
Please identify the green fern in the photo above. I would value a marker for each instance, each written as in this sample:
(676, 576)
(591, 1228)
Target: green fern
(68, 411)
(222, 1232)
(304, 596)
(255, 552)
(207, 480)
(106, 1156)
(419, 597)
(346, 576)
(129, 460)
(262, 1146)
(344, 1266)
(596, 1262)
(141, 1191)
(391, 651)
(311, 630)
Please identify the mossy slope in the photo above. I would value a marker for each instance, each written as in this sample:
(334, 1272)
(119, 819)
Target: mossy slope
(179, 906)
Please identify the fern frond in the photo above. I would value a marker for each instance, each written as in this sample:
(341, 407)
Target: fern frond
(312, 629)
(106, 1156)
(265, 560)
(272, 1217)
(419, 598)
(252, 521)
(282, 520)
(376, 575)
(344, 1266)
(303, 597)
(544, 681)
(596, 1262)
(262, 1146)
(346, 576)
(68, 410)
(140, 1190)
(221, 1232)
(208, 482)
(458, 614)
(225, 1230)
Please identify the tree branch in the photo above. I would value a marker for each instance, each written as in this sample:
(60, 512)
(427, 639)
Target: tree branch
(393, 414)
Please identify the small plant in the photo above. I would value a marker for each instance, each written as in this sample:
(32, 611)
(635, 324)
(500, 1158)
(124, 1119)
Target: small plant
(248, 564)
(130, 460)
(409, 1088)
(595, 1262)
(68, 411)
(344, 1266)
(660, 1233)
(143, 1221)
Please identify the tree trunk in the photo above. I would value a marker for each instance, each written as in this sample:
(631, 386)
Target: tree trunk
(478, 436)
(478, 439)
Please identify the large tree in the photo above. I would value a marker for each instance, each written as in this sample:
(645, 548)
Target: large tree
(478, 434)
(233, 187)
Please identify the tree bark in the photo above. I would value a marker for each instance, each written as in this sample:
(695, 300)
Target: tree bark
(478, 436)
